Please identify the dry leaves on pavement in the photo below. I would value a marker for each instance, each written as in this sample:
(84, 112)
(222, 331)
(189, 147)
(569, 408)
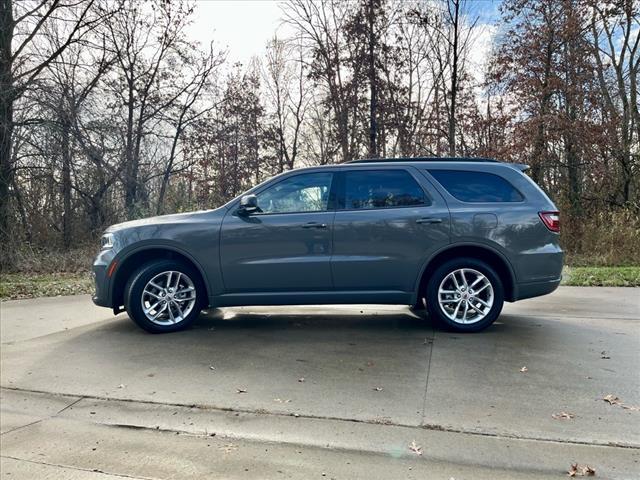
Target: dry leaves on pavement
(563, 416)
(611, 399)
(580, 471)
(228, 448)
(415, 448)
(629, 407)
(614, 400)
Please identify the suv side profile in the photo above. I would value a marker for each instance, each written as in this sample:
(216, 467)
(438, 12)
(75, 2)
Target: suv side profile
(458, 237)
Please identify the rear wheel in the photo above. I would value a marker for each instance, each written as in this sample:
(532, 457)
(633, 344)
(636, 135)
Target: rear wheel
(164, 296)
(465, 295)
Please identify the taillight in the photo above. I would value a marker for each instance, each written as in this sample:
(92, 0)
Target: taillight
(551, 220)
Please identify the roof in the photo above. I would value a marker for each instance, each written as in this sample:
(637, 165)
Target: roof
(424, 159)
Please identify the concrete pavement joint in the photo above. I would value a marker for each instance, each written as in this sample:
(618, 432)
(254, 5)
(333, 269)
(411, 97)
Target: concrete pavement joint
(426, 383)
(23, 426)
(71, 467)
(69, 406)
(433, 427)
(44, 418)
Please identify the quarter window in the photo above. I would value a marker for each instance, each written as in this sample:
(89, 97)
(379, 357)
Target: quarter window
(477, 187)
(308, 192)
(381, 189)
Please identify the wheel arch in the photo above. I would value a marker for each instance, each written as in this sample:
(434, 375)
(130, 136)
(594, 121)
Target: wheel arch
(481, 252)
(134, 259)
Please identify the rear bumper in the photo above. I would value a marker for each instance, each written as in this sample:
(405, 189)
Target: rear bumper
(536, 289)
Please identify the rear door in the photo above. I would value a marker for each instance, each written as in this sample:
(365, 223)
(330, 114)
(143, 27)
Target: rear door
(389, 220)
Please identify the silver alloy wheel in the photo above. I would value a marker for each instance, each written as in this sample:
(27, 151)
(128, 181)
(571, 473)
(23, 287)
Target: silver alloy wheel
(168, 298)
(465, 296)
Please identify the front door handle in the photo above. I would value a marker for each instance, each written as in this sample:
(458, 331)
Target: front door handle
(314, 225)
(429, 220)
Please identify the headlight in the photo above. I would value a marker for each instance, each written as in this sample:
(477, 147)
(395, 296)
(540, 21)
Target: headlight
(106, 241)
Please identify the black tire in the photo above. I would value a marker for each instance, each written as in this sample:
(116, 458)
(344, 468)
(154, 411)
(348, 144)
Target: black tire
(135, 286)
(436, 310)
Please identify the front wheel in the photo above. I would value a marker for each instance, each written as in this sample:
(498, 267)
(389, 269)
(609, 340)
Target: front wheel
(465, 295)
(164, 296)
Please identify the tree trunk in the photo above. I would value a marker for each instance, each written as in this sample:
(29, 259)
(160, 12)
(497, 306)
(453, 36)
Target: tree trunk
(129, 177)
(65, 146)
(6, 117)
(454, 80)
(373, 105)
(167, 172)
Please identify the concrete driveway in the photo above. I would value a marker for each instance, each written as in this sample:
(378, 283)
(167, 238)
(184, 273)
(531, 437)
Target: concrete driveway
(323, 392)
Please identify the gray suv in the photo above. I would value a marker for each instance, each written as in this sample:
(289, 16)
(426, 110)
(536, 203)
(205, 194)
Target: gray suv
(455, 236)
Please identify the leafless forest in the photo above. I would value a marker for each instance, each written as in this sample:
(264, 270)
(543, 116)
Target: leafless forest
(109, 111)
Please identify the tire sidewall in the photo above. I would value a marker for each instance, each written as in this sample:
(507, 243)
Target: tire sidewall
(135, 287)
(433, 285)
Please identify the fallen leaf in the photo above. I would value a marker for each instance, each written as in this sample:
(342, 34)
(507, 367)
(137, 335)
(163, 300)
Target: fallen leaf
(241, 390)
(629, 407)
(580, 471)
(415, 448)
(377, 389)
(524, 369)
(604, 355)
(563, 416)
(229, 447)
(611, 399)
(301, 379)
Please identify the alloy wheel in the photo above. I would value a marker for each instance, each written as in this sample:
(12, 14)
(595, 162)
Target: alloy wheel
(465, 296)
(168, 298)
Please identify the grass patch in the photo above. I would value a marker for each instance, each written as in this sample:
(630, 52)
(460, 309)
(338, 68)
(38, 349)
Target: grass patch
(22, 285)
(601, 276)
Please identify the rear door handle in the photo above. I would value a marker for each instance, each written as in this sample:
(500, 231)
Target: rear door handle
(429, 220)
(314, 225)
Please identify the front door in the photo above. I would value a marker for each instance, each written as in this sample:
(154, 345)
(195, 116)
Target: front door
(287, 245)
(386, 225)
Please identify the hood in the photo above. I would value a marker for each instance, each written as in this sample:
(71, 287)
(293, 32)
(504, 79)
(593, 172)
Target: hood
(164, 219)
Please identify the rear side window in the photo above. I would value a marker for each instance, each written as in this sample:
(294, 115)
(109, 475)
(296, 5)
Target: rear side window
(477, 186)
(366, 189)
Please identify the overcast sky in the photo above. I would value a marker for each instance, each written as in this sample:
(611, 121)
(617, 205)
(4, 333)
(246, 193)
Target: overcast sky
(243, 27)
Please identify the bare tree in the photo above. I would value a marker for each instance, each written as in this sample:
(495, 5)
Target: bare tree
(284, 82)
(24, 53)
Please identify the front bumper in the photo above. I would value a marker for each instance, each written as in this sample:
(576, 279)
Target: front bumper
(102, 295)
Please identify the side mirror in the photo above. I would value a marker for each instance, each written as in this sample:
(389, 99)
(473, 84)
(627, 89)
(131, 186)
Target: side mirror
(248, 205)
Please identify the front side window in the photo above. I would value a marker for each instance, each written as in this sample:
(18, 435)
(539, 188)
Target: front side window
(477, 187)
(308, 192)
(366, 189)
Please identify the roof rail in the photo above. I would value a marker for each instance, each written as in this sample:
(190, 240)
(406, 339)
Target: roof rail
(424, 159)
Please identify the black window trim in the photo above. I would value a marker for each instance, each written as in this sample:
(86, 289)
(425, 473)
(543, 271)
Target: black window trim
(429, 170)
(340, 199)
